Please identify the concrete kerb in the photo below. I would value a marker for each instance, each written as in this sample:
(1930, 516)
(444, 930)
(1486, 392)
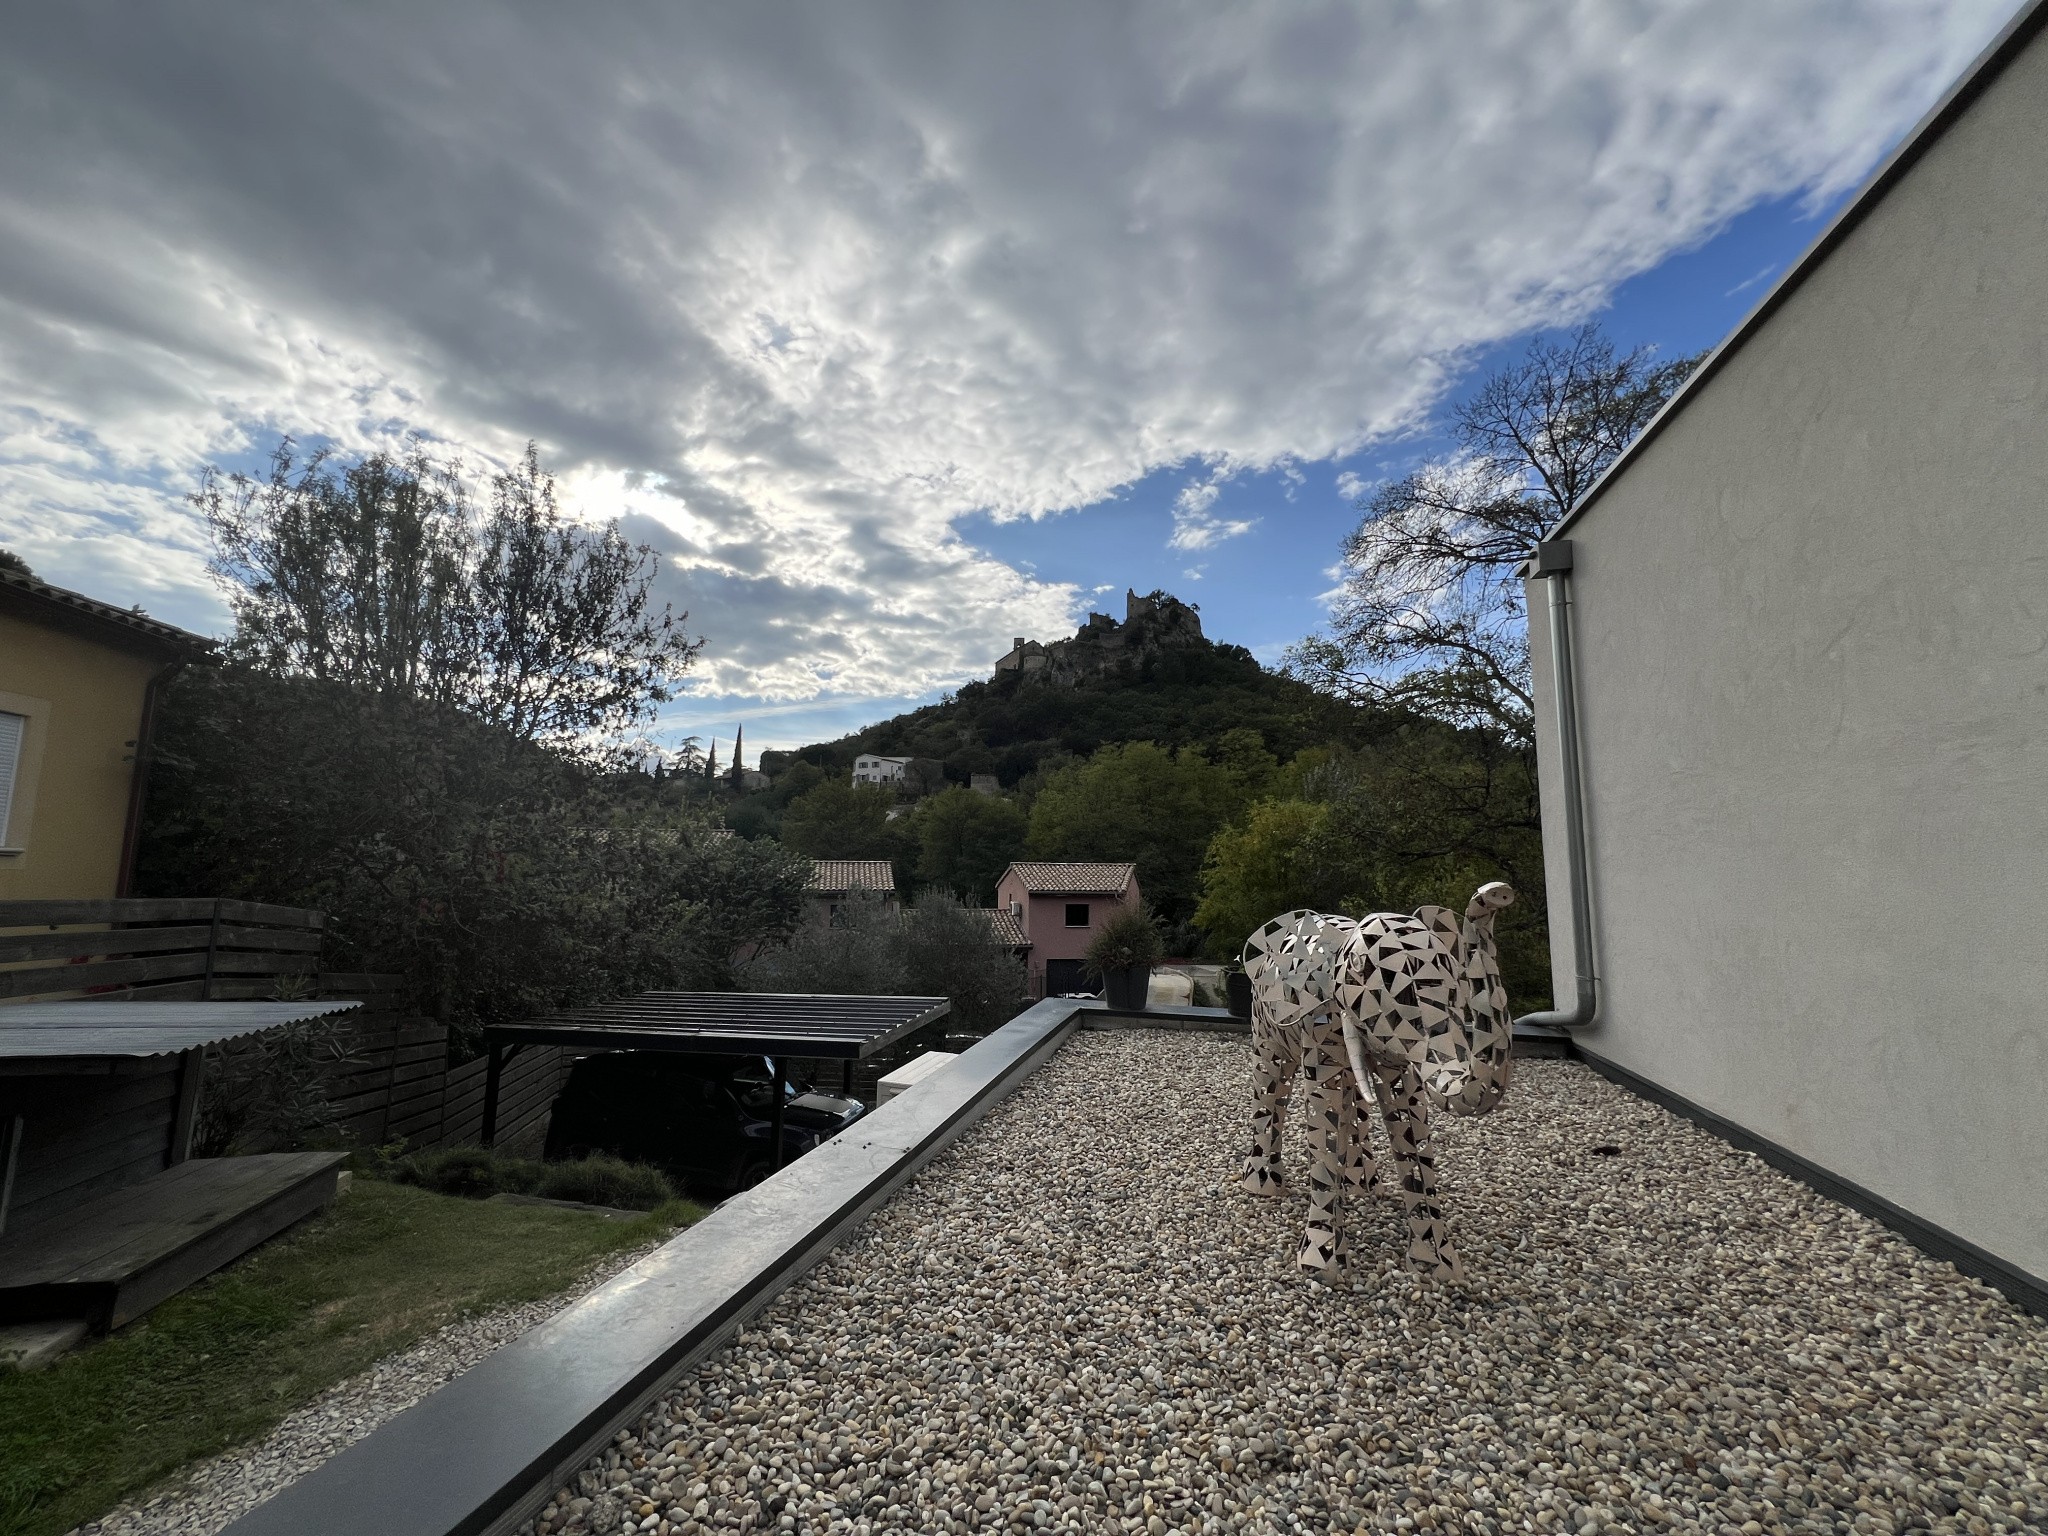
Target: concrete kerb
(482, 1454)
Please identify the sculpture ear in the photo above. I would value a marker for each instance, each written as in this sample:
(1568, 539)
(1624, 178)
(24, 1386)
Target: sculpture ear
(1442, 922)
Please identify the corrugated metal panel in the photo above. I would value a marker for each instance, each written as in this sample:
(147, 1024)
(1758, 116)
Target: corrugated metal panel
(87, 1028)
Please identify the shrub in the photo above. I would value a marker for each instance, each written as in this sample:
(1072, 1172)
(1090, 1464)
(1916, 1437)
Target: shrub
(477, 1173)
(1130, 938)
(605, 1180)
(474, 1173)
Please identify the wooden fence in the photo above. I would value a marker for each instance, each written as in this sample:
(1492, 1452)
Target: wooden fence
(394, 1083)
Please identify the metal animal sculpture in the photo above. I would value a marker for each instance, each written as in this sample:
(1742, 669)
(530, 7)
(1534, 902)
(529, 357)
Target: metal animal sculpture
(1410, 1010)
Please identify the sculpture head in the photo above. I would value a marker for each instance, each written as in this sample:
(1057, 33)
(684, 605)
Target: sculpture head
(1475, 1080)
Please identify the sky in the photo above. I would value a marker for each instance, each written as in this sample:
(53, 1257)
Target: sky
(897, 329)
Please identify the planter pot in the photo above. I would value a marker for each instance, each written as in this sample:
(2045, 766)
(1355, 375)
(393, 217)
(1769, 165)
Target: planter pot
(1125, 986)
(1239, 986)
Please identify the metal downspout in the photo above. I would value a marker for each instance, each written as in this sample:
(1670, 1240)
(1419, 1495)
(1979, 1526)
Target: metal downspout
(1553, 562)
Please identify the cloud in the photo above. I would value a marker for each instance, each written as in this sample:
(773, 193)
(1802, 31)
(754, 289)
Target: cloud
(1195, 526)
(794, 291)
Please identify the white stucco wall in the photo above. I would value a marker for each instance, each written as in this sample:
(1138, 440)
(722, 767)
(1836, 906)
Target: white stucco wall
(1812, 630)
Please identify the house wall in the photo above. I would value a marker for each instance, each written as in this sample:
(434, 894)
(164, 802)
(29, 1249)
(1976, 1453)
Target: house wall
(1812, 631)
(83, 701)
(1045, 923)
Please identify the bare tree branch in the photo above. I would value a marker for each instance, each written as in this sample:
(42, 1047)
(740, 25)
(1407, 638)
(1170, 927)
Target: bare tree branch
(1430, 615)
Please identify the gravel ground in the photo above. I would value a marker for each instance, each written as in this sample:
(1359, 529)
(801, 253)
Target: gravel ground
(1075, 1320)
(209, 1496)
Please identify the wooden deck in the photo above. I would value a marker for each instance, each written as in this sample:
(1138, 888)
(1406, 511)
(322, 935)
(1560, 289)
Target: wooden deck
(116, 1256)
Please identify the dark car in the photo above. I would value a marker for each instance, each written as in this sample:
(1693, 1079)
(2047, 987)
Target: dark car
(706, 1120)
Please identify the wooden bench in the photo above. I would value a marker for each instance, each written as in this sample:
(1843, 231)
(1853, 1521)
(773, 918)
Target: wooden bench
(121, 1253)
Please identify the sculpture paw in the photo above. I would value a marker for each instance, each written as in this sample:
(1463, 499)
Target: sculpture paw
(1440, 1264)
(1322, 1257)
(1262, 1178)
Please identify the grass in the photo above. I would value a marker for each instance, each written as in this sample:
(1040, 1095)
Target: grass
(220, 1364)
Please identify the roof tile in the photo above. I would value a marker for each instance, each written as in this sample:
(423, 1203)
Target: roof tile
(830, 877)
(1076, 879)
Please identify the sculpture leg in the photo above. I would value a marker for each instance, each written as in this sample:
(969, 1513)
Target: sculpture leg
(1430, 1251)
(1276, 1057)
(1323, 1252)
(1361, 1174)
(1386, 1180)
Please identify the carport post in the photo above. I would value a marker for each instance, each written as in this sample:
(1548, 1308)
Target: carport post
(781, 1093)
(846, 1078)
(494, 1069)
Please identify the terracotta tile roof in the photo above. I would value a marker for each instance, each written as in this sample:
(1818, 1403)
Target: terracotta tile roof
(1076, 879)
(1004, 928)
(38, 601)
(832, 877)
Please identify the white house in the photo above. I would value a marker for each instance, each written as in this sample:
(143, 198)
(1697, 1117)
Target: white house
(870, 769)
(1792, 673)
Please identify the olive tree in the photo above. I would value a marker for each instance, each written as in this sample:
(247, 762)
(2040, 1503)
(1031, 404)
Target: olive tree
(384, 573)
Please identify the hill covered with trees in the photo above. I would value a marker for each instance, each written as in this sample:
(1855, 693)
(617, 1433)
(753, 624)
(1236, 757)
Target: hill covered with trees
(1155, 678)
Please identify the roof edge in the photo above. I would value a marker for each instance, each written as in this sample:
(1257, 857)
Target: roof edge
(74, 613)
(1974, 81)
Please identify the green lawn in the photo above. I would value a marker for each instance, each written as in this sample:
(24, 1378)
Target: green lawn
(220, 1364)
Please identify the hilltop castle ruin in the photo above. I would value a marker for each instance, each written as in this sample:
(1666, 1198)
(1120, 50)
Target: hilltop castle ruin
(1156, 621)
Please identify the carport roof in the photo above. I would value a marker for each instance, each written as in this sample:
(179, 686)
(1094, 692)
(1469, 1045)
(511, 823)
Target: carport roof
(733, 1023)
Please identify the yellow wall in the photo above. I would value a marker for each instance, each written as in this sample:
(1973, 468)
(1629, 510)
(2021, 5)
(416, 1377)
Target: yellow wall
(84, 705)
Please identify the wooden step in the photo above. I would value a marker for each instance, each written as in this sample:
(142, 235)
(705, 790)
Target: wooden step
(121, 1253)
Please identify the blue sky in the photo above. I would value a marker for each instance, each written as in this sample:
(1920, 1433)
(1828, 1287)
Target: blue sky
(897, 329)
(1263, 590)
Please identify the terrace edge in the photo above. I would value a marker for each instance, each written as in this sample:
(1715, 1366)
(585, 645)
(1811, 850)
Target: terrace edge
(2026, 1291)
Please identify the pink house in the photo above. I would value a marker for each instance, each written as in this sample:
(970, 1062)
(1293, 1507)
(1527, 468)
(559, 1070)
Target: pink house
(1061, 907)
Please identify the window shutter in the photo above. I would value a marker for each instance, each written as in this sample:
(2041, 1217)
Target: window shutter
(12, 729)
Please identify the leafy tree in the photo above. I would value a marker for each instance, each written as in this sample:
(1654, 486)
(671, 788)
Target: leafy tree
(1430, 817)
(759, 814)
(966, 841)
(502, 877)
(948, 952)
(1277, 859)
(1430, 616)
(859, 952)
(1142, 803)
(838, 819)
(380, 573)
(937, 947)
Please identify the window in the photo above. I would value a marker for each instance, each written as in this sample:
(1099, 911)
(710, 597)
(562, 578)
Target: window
(12, 729)
(1077, 914)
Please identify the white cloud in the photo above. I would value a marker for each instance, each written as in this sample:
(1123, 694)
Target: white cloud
(1195, 525)
(798, 290)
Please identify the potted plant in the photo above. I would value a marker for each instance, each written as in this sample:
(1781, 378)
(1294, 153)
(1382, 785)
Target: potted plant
(1123, 955)
(1237, 986)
